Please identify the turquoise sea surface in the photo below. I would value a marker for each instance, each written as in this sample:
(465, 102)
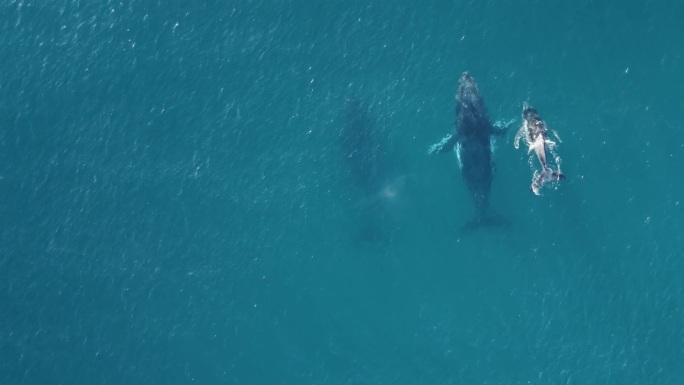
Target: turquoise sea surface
(239, 192)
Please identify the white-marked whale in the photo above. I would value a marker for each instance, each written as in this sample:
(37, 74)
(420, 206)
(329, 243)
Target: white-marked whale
(535, 133)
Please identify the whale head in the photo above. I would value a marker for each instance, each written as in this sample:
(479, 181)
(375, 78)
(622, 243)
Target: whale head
(470, 107)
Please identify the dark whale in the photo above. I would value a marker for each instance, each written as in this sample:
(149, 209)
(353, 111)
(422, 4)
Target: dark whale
(472, 142)
(535, 133)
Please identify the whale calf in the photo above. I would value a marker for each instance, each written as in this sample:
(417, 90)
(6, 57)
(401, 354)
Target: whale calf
(535, 133)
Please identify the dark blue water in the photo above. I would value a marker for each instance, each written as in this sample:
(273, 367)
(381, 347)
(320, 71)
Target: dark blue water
(183, 202)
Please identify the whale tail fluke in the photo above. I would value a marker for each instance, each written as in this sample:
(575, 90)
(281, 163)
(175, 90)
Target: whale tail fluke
(485, 220)
(547, 175)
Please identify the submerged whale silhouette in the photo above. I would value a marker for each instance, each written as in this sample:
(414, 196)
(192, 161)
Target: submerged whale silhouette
(371, 170)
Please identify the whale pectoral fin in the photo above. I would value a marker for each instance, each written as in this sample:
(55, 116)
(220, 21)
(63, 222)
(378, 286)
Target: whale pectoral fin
(498, 130)
(556, 135)
(458, 156)
(501, 127)
(447, 144)
(519, 135)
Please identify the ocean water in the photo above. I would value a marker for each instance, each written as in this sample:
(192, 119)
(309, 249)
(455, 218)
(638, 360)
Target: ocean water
(239, 192)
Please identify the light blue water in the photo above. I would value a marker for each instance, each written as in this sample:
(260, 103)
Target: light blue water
(178, 203)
